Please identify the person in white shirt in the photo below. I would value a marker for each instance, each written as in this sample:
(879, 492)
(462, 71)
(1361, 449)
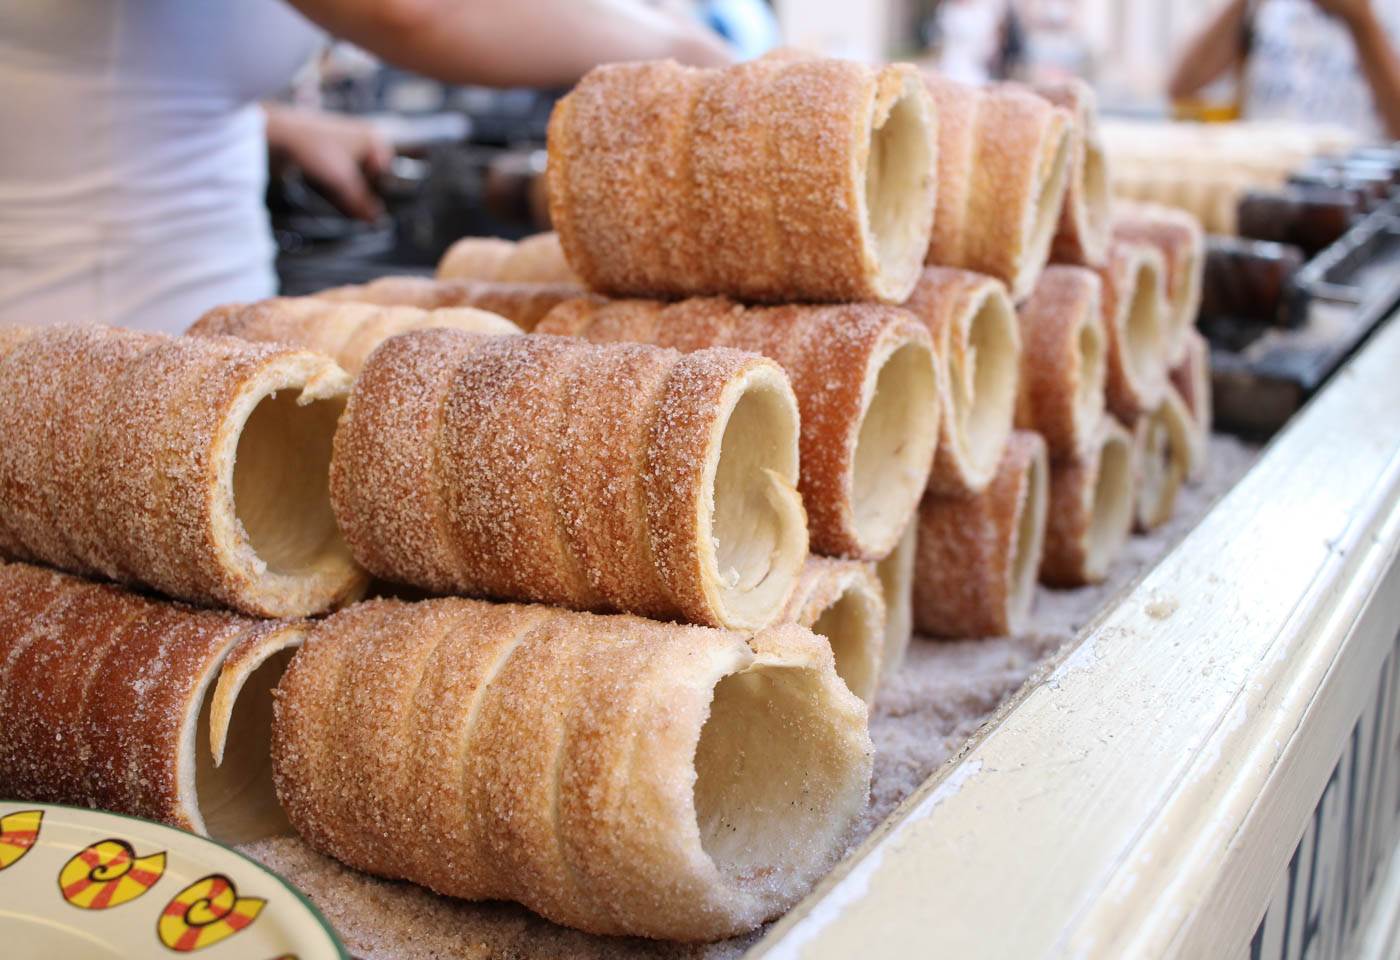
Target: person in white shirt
(1307, 61)
(134, 156)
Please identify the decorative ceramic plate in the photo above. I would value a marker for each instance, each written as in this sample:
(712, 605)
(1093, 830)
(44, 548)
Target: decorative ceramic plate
(101, 886)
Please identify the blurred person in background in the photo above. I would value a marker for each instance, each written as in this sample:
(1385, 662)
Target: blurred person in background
(135, 152)
(1305, 61)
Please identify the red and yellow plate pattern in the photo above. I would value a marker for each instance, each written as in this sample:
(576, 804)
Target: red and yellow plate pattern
(77, 882)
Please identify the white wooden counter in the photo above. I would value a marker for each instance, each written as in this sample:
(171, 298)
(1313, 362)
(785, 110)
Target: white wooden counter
(1213, 771)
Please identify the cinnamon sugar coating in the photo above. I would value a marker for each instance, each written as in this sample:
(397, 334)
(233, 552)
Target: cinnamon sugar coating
(346, 332)
(841, 600)
(1003, 164)
(1179, 237)
(103, 696)
(977, 339)
(866, 385)
(1086, 220)
(1092, 498)
(611, 773)
(619, 477)
(1063, 360)
(977, 557)
(774, 180)
(535, 259)
(171, 463)
(523, 304)
(1135, 321)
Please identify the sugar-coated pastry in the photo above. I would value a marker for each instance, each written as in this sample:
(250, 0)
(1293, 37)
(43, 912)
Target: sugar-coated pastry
(1003, 163)
(1179, 237)
(196, 466)
(1135, 321)
(615, 477)
(1092, 502)
(1086, 220)
(611, 773)
(896, 573)
(108, 700)
(977, 337)
(535, 259)
(523, 304)
(780, 179)
(977, 558)
(346, 332)
(1191, 380)
(1063, 362)
(866, 382)
(841, 600)
(1164, 455)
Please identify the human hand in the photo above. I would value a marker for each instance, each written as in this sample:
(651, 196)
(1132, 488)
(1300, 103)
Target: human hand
(338, 154)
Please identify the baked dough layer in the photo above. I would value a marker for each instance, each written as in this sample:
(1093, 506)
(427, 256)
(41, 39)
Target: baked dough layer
(1164, 453)
(346, 332)
(1086, 220)
(1179, 237)
(1003, 165)
(1063, 362)
(866, 381)
(107, 703)
(896, 574)
(976, 336)
(600, 477)
(780, 179)
(1135, 319)
(194, 466)
(1191, 381)
(978, 557)
(611, 773)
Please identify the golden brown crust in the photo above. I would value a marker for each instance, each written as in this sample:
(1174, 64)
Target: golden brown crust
(1004, 156)
(1135, 318)
(475, 258)
(1091, 508)
(1179, 237)
(778, 179)
(104, 691)
(977, 557)
(523, 304)
(1085, 221)
(346, 332)
(119, 460)
(500, 751)
(842, 601)
(977, 339)
(866, 385)
(597, 475)
(1063, 362)
(1191, 380)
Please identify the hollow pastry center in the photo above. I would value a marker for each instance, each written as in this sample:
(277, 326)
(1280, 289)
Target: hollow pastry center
(984, 383)
(236, 798)
(1142, 325)
(766, 778)
(1112, 510)
(1054, 172)
(851, 626)
(1089, 391)
(895, 445)
(757, 525)
(1030, 536)
(281, 487)
(897, 170)
(1155, 465)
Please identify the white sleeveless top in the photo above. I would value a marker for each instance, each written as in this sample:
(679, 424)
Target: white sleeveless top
(133, 155)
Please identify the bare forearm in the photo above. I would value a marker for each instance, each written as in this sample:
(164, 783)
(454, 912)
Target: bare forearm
(542, 43)
(1380, 64)
(1214, 49)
